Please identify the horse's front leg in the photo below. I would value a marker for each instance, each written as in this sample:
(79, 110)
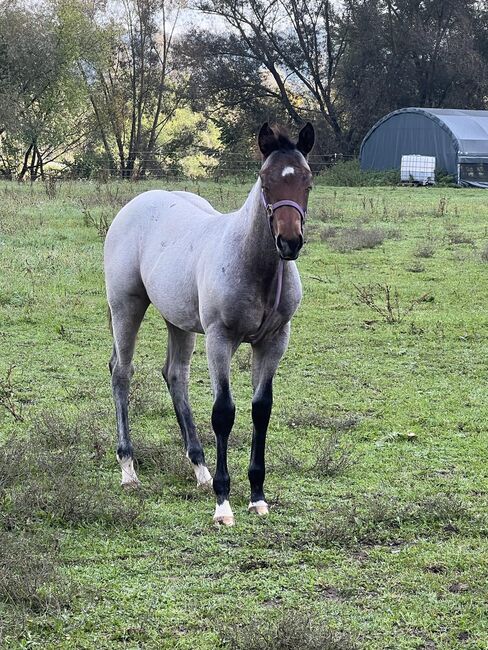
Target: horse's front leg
(219, 354)
(265, 359)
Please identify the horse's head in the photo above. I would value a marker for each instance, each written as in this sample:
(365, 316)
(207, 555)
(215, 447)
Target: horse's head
(286, 181)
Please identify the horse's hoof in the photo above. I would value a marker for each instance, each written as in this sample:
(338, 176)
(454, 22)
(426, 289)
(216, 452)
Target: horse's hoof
(259, 507)
(131, 485)
(223, 514)
(225, 520)
(207, 485)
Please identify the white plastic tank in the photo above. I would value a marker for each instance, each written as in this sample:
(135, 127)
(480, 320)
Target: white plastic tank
(418, 169)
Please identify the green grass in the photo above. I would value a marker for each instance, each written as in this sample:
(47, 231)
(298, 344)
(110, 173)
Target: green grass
(390, 551)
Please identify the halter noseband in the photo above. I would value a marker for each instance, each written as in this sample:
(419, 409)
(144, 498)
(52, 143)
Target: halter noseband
(271, 207)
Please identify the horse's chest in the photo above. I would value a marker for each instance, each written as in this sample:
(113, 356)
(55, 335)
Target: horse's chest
(245, 311)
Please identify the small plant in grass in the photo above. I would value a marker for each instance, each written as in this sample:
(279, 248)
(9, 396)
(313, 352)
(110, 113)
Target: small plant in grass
(101, 224)
(385, 301)
(442, 207)
(333, 457)
(51, 186)
(417, 267)
(8, 396)
(425, 249)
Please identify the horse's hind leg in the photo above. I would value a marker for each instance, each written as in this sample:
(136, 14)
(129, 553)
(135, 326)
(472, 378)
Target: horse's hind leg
(127, 315)
(176, 373)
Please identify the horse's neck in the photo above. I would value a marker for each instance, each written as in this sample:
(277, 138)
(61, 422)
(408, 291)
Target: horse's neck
(258, 247)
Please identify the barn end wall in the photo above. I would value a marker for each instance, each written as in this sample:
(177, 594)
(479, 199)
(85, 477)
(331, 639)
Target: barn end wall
(405, 133)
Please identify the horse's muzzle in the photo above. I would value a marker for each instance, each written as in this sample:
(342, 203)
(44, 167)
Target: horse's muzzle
(289, 248)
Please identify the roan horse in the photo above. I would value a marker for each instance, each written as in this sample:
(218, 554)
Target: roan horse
(229, 276)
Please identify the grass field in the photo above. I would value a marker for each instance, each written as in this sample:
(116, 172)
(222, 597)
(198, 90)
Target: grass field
(377, 473)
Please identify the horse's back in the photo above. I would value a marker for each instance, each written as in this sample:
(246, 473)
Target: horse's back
(156, 241)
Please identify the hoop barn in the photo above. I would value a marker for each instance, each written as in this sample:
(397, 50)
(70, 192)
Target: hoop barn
(457, 138)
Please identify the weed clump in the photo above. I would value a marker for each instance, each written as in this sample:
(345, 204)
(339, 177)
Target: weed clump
(55, 474)
(29, 576)
(484, 253)
(425, 249)
(332, 456)
(293, 630)
(377, 519)
(358, 238)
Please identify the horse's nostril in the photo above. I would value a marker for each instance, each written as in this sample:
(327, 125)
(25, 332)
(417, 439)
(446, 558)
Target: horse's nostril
(289, 248)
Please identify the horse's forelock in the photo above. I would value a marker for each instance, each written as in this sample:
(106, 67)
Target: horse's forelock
(283, 140)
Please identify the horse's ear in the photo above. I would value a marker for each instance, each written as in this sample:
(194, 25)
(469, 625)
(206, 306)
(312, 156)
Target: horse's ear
(306, 139)
(267, 140)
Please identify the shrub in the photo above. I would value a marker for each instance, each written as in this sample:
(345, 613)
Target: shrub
(348, 174)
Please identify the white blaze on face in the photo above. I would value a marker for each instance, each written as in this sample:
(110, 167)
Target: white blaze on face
(288, 171)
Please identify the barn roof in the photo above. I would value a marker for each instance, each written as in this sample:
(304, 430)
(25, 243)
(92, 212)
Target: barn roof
(468, 129)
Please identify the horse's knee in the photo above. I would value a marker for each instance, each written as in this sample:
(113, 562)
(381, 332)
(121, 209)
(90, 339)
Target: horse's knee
(121, 376)
(261, 408)
(223, 414)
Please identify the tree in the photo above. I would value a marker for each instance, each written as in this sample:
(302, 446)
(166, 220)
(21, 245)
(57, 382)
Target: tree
(132, 87)
(288, 51)
(41, 108)
(411, 53)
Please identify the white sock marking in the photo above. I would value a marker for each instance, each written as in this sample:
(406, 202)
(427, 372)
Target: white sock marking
(202, 474)
(129, 475)
(288, 171)
(223, 510)
(257, 504)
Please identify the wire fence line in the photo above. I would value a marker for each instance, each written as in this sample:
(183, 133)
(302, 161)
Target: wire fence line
(162, 166)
